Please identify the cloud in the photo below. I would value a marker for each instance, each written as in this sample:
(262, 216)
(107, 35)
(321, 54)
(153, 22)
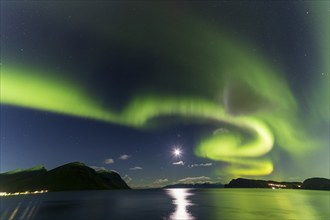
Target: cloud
(195, 179)
(200, 165)
(136, 168)
(178, 163)
(109, 161)
(127, 179)
(160, 181)
(294, 178)
(96, 168)
(220, 130)
(124, 157)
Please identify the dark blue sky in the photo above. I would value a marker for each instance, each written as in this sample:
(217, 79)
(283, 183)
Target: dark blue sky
(263, 61)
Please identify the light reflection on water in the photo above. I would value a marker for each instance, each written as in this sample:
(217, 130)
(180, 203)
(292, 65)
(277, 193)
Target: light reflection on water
(181, 202)
(30, 211)
(25, 211)
(170, 204)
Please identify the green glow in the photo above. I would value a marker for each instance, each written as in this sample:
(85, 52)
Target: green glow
(227, 68)
(19, 90)
(39, 90)
(303, 204)
(249, 167)
(319, 22)
(231, 144)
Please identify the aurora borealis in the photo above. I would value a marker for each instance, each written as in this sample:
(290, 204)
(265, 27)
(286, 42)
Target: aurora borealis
(249, 94)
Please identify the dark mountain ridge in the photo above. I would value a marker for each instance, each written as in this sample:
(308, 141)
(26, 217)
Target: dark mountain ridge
(71, 176)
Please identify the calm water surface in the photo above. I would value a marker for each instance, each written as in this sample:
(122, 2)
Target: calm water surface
(173, 204)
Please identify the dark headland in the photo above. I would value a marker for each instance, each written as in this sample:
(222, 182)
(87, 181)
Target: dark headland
(71, 176)
(315, 183)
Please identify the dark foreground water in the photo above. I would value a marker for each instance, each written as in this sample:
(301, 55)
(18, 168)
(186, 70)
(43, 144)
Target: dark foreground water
(203, 204)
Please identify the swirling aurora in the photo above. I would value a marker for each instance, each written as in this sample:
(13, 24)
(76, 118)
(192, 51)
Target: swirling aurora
(223, 83)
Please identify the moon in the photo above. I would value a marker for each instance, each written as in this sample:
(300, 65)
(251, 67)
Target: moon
(177, 152)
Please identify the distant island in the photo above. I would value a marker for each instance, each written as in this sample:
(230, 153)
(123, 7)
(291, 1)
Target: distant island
(196, 185)
(315, 183)
(71, 176)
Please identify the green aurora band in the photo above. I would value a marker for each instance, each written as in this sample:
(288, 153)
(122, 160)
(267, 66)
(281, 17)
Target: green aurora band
(31, 90)
(268, 115)
(21, 87)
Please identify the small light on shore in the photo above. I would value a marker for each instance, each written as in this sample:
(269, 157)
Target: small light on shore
(23, 193)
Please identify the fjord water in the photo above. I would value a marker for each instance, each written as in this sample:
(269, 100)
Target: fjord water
(170, 204)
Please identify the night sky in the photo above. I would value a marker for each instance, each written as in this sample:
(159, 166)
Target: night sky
(241, 88)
